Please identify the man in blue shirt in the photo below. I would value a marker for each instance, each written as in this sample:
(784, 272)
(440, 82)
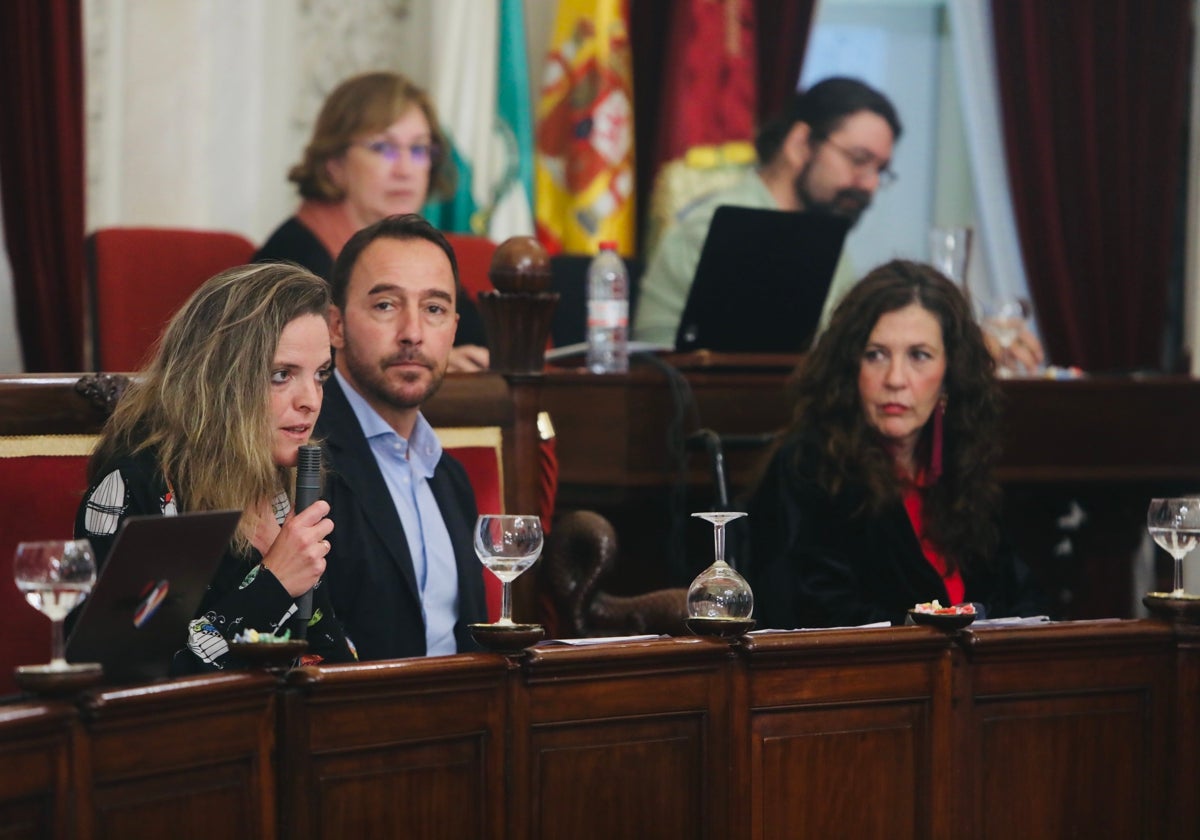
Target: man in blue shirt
(402, 571)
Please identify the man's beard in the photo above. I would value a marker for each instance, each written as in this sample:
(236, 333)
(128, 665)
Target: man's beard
(371, 378)
(848, 204)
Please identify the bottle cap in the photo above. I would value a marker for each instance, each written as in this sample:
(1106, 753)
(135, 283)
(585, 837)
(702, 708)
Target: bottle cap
(608, 245)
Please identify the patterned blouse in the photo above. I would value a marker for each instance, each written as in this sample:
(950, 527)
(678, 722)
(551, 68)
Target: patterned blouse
(242, 596)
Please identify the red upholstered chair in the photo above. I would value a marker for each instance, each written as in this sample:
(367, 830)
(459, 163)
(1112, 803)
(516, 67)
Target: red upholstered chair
(474, 255)
(480, 449)
(42, 479)
(138, 277)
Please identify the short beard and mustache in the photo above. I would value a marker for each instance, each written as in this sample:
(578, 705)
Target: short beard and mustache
(849, 203)
(372, 378)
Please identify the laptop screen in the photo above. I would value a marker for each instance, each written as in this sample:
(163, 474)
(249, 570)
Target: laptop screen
(761, 281)
(148, 590)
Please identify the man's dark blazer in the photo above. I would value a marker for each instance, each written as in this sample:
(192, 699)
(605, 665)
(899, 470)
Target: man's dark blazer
(370, 571)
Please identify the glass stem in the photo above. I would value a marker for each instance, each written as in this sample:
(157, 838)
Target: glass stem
(56, 644)
(505, 602)
(1178, 576)
(719, 541)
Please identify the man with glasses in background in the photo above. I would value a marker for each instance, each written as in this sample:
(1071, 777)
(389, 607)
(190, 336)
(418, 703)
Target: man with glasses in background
(828, 153)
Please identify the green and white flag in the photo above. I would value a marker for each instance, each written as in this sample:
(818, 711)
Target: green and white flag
(481, 90)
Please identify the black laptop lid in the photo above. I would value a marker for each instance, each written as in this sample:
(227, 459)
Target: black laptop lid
(147, 592)
(761, 281)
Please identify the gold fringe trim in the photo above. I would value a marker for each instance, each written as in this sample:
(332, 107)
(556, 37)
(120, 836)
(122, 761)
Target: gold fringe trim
(454, 437)
(545, 426)
(29, 446)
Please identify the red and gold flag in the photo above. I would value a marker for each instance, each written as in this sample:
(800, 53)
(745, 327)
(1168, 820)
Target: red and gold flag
(584, 171)
(705, 132)
(709, 95)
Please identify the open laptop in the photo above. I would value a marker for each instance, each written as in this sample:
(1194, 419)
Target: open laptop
(137, 614)
(761, 281)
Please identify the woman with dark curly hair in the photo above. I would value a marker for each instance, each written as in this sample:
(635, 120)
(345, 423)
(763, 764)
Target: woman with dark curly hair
(881, 495)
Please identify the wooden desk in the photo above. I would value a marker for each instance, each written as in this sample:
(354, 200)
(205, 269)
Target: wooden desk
(1107, 444)
(35, 769)
(613, 429)
(1084, 729)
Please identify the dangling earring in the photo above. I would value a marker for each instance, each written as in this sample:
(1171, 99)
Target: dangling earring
(935, 455)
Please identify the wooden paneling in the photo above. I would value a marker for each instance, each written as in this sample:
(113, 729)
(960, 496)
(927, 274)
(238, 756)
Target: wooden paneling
(190, 758)
(863, 768)
(405, 748)
(1083, 729)
(1071, 729)
(853, 720)
(626, 740)
(1183, 739)
(35, 770)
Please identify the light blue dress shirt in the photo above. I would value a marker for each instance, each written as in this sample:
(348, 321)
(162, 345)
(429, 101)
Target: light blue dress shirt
(407, 466)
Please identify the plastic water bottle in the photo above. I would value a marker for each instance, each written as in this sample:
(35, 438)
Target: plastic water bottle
(608, 312)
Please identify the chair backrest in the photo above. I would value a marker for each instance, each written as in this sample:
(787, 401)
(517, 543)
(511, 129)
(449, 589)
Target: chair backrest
(42, 479)
(480, 449)
(48, 426)
(138, 277)
(474, 255)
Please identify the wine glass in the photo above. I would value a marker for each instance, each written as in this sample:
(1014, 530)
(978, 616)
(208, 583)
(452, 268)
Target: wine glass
(55, 576)
(719, 592)
(1175, 526)
(1004, 319)
(507, 545)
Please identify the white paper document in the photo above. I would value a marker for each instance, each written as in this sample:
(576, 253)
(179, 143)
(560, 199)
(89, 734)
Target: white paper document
(602, 640)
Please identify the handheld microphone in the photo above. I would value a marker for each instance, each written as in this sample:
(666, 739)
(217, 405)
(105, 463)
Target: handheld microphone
(308, 490)
(308, 475)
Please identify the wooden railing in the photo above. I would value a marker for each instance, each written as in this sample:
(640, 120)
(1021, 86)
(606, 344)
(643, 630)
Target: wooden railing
(1083, 729)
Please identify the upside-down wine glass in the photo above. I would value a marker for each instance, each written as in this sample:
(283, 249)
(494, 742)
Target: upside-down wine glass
(55, 576)
(1175, 526)
(507, 545)
(719, 592)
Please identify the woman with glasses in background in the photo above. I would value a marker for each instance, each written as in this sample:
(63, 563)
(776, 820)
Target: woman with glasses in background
(376, 151)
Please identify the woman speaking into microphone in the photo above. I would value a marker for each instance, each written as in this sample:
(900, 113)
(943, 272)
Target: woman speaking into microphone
(215, 422)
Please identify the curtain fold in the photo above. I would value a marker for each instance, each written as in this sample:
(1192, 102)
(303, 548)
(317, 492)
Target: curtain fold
(41, 169)
(978, 96)
(783, 30)
(781, 37)
(1093, 97)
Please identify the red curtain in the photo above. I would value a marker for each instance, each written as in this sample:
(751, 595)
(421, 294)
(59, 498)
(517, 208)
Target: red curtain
(782, 28)
(41, 175)
(709, 93)
(1094, 101)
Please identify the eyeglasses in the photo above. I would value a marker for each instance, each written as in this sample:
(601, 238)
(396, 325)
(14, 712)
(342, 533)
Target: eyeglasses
(863, 161)
(421, 154)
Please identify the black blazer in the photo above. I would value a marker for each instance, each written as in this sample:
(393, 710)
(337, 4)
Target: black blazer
(370, 573)
(816, 561)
